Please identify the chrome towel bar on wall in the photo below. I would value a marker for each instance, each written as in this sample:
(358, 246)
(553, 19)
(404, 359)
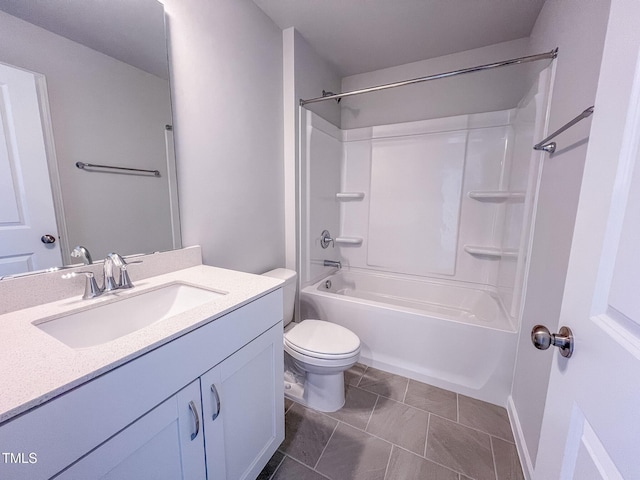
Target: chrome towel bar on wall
(82, 166)
(550, 147)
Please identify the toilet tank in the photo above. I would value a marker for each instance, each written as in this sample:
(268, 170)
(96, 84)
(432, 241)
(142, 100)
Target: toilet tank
(288, 290)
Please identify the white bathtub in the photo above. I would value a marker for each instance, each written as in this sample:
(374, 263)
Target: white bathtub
(453, 337)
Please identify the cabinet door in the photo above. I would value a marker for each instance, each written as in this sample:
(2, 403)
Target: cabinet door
(166, 443)
(243, 408)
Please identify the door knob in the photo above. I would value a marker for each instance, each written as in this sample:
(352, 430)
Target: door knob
(48, 239)
(543, 339)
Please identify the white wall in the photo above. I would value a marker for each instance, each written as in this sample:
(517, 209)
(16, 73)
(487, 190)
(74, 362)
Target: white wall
(578, 29)
(322, 153)
(107, 112)
(501, 88)
(312, 75)
(465, 153)
(305, 75)
(226, 73)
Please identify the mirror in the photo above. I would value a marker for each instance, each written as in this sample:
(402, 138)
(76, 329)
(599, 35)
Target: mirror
(102, 86)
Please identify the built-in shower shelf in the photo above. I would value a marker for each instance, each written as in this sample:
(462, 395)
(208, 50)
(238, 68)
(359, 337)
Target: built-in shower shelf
(491, 251)
(349, 196)
(350, 241)
(496, 196)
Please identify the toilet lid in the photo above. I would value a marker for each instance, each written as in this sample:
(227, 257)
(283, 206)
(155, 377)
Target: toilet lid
(318, 338)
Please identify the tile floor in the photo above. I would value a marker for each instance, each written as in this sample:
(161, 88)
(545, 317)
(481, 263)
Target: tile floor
(394, 428)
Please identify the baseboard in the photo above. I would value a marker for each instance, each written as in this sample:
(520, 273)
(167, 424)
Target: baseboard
(521, 445)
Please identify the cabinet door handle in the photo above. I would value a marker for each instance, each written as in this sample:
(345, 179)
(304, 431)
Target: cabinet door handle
(214, 391)
(196, 417)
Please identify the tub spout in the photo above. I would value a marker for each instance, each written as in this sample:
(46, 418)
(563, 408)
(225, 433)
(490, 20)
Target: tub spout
(333, 263)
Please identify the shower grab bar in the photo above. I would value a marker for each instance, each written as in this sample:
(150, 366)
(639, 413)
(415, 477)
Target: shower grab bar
(514, 61)
(550, 147)
(82, 166)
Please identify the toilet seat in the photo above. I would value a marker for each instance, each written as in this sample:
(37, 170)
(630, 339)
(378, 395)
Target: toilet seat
(322, 340)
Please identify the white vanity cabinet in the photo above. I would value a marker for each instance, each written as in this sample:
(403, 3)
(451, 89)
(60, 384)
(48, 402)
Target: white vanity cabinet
(139, 420)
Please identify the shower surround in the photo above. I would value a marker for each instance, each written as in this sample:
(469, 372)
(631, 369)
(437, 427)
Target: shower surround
(431, 222)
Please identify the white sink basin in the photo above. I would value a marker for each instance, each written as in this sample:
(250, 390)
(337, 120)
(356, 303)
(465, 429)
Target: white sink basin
(107, 322)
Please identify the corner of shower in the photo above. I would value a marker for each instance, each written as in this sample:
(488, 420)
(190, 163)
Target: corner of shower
(441, 207)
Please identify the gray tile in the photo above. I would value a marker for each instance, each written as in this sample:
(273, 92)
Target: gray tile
(271, 466)
(357, 408)
(306, 434)
(506, 459)
(400, 424)
(407, 466)
(349, 453)
(353, 375)
(460, 448)
(293, 470)
(433, 399)
(354, 455)
(484, 416)
(384, 383)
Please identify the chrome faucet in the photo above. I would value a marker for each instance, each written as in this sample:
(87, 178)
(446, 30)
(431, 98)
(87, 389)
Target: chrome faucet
(82, 252)
(333, 263)
(109, 283)
(91, 288)
(112, 261)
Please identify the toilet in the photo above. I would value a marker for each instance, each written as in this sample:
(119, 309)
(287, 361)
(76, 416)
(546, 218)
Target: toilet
(316, 354)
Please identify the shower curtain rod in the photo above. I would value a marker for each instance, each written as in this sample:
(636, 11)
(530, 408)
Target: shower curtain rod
(514, 61)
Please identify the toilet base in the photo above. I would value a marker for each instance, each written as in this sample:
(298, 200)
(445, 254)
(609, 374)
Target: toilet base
(324, 393)
(316, 383)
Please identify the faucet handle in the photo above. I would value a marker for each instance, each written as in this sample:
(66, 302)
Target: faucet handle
(91, 288)
(131, 262)
(112, 261)
(125, 280)
(325, 239)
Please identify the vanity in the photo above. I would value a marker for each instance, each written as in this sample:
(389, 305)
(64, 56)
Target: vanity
(196, 393)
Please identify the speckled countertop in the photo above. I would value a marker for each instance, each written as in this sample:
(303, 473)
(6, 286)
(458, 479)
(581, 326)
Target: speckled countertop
(35, 367)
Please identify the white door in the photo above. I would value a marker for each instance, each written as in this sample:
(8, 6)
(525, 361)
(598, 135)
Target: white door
(165, 444)
(26, 203)
(591, 424)
(243, 411)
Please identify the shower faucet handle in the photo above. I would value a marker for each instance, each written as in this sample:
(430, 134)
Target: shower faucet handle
(325, 239)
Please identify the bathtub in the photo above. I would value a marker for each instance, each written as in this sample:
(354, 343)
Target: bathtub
(454, 337)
